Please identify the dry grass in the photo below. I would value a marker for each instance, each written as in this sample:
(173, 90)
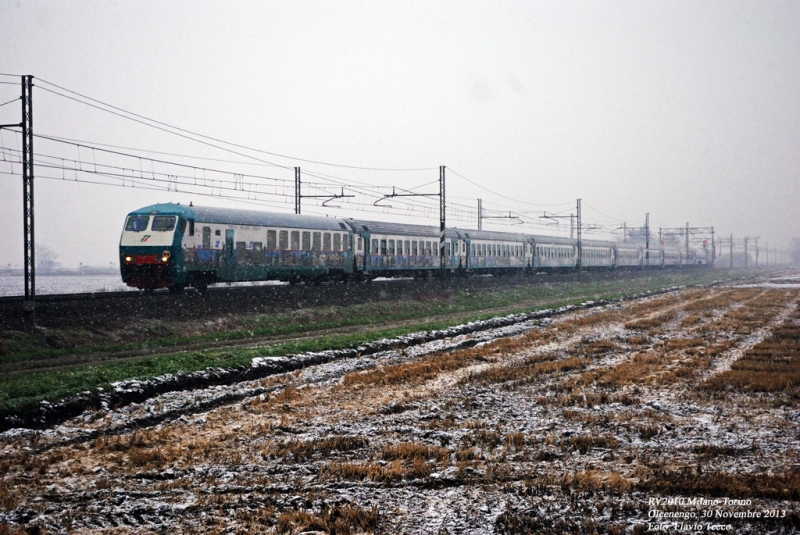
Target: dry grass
(303, 450)
(771, 366)
(651, 322)
(394, 471)
(584, 443)
(524, 372)
(337, 520)
(693, 482)
(411, 451)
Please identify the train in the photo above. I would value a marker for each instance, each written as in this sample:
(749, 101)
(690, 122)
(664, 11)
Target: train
(176, 246)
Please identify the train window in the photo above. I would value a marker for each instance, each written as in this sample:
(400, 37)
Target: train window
(206, 238)
(257, 246)
(391, 248)
(181, 225)
(447, 251)
(360, 243)
(337, 242)
(271, 243)
(407, 248)
(306, 241)
(316, 241)
(163, 223)
(137, 223)
(216, 232)
(414, 248)
(399, 247)
(295, 243)
(283, 240)
(326, 241)
(241, 246)
(383, 247)
(374, 247)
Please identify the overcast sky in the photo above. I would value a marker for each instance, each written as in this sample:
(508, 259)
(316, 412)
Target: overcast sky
(687, 110)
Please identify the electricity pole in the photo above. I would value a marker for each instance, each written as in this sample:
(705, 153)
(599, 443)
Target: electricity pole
(756, 252)
(580, 245)
(296, 190)
(29, 261)
(442, 221)
(745, 251)
(647, 239)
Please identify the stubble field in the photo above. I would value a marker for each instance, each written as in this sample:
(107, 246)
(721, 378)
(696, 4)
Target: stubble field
(677, 412)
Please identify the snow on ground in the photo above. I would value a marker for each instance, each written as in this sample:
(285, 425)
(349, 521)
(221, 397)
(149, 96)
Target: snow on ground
(566, 425)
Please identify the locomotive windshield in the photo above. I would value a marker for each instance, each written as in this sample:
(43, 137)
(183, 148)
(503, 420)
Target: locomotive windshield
(137, 223)
(163, 223)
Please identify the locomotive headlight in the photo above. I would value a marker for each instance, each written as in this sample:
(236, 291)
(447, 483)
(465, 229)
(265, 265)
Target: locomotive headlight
(165, 256)
(128, 258)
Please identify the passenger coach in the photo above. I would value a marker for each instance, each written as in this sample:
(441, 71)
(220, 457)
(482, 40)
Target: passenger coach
(174, 246)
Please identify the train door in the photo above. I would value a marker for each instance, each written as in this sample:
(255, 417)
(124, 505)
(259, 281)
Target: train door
(359, 258)
(229, 258)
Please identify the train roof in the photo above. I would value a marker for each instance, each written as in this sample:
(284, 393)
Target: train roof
(233, 216)
(382, 227)
(492, 235)
(557, 240)
(626, 245)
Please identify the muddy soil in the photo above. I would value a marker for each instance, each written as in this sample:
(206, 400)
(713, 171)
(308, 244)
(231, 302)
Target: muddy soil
(675, 413)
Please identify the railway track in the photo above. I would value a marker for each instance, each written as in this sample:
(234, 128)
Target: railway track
(100, 309)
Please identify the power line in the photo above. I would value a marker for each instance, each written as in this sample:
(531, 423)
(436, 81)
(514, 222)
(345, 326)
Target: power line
(228, 142)
(10, 101)
(98, 144)
(500, 194)
(158, 161)
(162, 129)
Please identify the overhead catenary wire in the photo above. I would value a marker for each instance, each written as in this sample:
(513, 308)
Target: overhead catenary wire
(500, 194)
(10, 101)
(365, 168)
(164, 129)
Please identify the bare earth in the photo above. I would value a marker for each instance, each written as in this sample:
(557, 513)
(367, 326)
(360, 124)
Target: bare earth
(624, 419)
